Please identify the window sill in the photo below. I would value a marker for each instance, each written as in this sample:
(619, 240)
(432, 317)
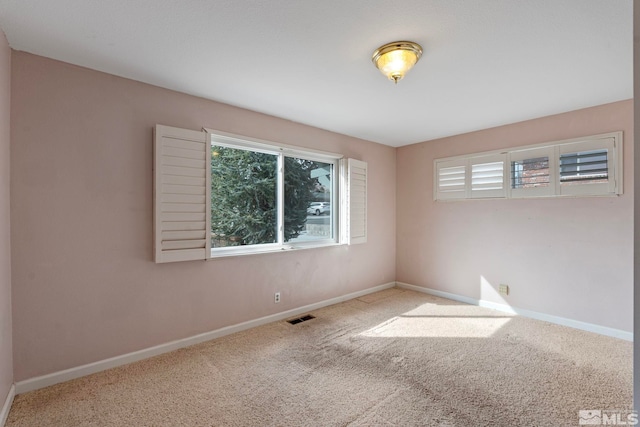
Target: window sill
(525, 197)
(242, 251)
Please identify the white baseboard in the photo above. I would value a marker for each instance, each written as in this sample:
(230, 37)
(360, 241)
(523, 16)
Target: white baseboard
(92, 368)
(590, 327)
(4, 413)
(441, 294)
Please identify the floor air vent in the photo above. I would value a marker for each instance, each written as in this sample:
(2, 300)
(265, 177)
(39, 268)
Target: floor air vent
(301, 319)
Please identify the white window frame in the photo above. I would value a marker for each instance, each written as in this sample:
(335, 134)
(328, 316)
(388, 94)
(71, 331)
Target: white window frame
(224, 139)
(182, 188)
(612, 141)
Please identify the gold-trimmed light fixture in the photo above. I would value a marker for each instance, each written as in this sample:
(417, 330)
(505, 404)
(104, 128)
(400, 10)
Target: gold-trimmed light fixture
(395, 59)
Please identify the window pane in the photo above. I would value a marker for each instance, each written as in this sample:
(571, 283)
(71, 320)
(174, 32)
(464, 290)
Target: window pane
(584, 167)
(243, 197)
(530, 173)
(307, 200)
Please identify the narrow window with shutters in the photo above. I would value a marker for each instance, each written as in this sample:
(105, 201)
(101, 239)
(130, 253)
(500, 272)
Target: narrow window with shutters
(589, 166)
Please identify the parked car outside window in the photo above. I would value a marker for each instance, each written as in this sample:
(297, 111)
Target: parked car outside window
(319, 208)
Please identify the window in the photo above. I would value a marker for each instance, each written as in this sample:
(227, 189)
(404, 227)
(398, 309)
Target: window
(262, 198)
(589, 166)
(584, 167)
(218, 195)
(532, 172)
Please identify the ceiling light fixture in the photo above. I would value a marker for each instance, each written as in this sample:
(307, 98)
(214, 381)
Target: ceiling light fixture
(395, 59)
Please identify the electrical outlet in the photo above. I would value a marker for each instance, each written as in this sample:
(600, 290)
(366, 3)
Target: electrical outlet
(503, 289)
(276, 298)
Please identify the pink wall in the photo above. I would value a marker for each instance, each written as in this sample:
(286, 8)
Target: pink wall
(636, 177)
(565, 257)
(84, 284)
(6, 363)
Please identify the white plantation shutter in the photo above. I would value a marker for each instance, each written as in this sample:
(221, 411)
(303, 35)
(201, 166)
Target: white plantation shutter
(488, 176)
(181, 195)
(356, 201)
(588, 167)
(450, 179)
(532, 172)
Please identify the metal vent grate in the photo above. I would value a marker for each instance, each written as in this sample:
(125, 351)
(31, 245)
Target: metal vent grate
(301, 319)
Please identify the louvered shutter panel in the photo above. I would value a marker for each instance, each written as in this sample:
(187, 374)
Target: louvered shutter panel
(587, 167)
(488, 176)
(450, 179)
(357, 202)
(182, 193)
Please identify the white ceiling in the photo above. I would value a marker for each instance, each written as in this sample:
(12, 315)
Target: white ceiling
(485, 63)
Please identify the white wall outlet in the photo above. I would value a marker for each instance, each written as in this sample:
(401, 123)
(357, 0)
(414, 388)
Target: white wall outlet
(276, 298)
(503, 289)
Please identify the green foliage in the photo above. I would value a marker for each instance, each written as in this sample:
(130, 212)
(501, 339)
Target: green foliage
(244, 193)
(298, 187)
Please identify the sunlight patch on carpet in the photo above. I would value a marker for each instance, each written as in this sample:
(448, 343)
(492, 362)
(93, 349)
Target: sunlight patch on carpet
(437, 327)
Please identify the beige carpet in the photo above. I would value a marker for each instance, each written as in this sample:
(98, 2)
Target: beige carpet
(397, 358)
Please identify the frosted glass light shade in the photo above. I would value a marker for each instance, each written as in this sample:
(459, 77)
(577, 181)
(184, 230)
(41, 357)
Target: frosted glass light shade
(395, 59)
